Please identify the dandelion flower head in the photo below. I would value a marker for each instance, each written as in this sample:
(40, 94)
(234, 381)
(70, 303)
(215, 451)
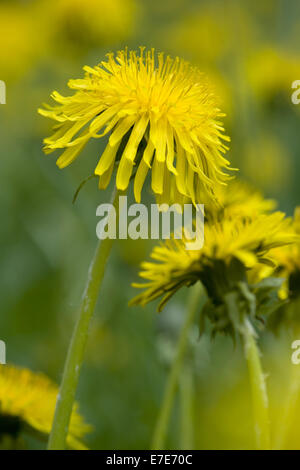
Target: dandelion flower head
(246, 242)
(237, 199)
(27, 402)
(161, 114)
(288, 262)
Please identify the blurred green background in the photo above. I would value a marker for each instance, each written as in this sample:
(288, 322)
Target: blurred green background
(251, 52)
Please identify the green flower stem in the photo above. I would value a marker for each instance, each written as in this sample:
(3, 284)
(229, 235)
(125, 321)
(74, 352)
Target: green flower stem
(258, 389)
(173, 378)
(66, 396)
(186, 409)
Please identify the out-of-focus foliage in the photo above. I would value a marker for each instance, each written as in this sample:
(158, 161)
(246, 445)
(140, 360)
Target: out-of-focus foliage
(250, 50)
(35, 31)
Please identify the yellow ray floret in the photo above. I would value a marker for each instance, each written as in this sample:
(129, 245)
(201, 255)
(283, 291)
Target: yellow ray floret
(30, 397)
(161, 115)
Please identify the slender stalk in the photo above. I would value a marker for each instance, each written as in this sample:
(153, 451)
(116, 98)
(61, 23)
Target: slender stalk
(258, 389)
(172, 381)
(66, 396)
(186, 409)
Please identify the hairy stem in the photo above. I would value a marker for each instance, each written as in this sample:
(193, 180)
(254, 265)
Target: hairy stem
(173, 378)
(66, 396)
(258, 389)
(187, 409)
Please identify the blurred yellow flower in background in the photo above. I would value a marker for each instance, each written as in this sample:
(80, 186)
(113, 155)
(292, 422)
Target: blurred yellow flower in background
(194, 34)
(27, 403)
(270, 70)
(93, 23)
(23, 38)
(30, 31)
(273, 160)
(159, 110)
(238, 199)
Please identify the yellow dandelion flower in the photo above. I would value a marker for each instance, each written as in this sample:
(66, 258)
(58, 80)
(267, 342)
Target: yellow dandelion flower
(27, 403)
(234, 242)
(288, 262)
(238, 199)
(161, 115)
